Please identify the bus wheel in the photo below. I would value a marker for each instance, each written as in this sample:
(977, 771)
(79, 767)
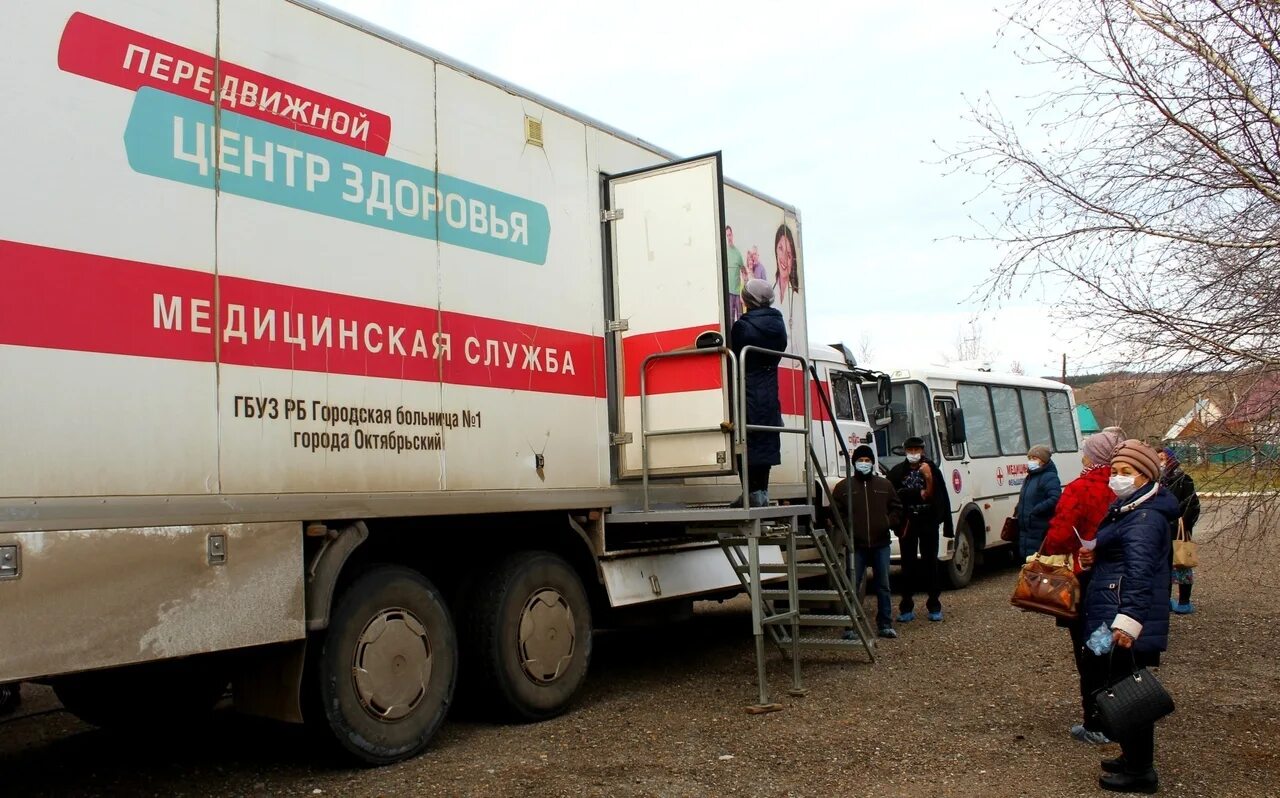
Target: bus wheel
(382, 676)
(959, 569)
(527, 636)
(185, 690)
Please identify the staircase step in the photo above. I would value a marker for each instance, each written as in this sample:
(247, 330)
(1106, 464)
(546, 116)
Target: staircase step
(803, 595)
(824, 642)
(842, 621)
(778, 617)
(802, 568)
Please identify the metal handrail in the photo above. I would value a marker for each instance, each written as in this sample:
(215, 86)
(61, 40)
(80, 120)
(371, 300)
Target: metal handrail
(645, 433)
(844, 450)
(743, 428)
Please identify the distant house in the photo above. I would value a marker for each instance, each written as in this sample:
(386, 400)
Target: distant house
(1255, 420)
(1204, 413)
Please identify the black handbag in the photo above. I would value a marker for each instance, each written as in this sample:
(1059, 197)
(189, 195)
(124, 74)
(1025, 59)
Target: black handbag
(1134, 702)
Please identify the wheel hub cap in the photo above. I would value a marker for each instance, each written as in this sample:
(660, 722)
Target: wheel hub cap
(391, 665)
(547, 638)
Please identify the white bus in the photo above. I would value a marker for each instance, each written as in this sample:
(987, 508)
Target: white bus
(977, 426)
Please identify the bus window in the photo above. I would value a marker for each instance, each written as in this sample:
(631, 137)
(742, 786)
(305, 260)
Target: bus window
(980, 428)
(942, 414)
(912, 417)
(1013, 438)
(1036, 415)
(1063, 422)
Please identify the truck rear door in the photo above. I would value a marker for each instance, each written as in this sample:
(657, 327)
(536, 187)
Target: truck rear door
(665, 232)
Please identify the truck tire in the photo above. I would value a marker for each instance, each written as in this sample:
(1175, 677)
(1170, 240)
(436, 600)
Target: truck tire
(184, 691)
(10, 697)
(381, 679)
(527, 637)
(959, 569)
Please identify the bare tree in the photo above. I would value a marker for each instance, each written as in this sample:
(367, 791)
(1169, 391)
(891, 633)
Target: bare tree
(969, 347)
(1016, 367)
(866, 347)
(1144, 191)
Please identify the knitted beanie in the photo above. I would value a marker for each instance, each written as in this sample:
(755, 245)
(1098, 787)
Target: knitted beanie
(1140, 456)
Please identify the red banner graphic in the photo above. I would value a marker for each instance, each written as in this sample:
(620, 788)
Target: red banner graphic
(110, 53)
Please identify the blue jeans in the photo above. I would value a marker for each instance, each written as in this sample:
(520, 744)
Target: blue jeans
(878, 559)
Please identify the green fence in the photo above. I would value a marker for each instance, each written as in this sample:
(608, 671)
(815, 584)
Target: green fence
(1195, 454)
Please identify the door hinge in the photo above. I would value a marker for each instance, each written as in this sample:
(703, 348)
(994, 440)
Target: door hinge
(620, 325)
(611, 215)
(620, 439)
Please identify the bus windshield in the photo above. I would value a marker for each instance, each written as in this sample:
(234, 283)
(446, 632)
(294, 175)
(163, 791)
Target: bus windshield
(912, 417)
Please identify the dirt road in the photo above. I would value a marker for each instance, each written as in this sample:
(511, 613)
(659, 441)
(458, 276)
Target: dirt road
(978, 705)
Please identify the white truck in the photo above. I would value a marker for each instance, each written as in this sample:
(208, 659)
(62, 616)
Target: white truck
(320, 370)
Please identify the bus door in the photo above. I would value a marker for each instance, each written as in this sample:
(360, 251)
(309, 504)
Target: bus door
(951, 452)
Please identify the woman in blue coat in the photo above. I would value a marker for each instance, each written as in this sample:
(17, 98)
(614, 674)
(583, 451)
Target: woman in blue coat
(762, 325)
(1128, 593)
(1036, 502)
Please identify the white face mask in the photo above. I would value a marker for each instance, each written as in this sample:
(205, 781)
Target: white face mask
(1121, 486)
(1033, 464)
(914, 458)
(863, 467)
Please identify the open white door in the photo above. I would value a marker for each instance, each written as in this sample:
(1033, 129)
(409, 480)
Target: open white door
(666, 236)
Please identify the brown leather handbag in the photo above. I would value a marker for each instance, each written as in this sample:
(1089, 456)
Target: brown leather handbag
(1009, 532)
(1048, 585)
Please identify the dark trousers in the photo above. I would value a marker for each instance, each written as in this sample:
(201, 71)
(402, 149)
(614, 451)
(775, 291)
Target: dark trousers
(920, 563)
(1082, 656)
(1140, 748)
(878, 559)
(757, 477)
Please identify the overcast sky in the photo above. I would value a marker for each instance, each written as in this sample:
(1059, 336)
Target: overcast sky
(830, 106)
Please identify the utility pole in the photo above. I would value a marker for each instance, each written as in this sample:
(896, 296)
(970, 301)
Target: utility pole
(1064, 367)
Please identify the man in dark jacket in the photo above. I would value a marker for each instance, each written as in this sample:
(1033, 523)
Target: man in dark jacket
(876, 512)
(1037, 500)
(920, 487)
(761, 326)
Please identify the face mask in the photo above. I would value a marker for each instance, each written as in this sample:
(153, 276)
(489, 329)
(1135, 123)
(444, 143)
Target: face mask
(1121, 486)
(1032, 465)
(914, 458)
(863, 468)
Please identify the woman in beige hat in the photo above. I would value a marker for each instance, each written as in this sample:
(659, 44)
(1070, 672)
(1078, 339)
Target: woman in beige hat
(1128, 593)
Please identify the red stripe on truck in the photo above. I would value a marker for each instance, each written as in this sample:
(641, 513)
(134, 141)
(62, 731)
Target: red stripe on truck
(670, 375)
(106, 52)
(54, 299)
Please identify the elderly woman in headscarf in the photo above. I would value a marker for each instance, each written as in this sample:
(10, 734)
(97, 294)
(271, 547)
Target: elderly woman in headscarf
(1039, 495)
(1183, 488)
(761, 326)
(1084, 503)
(1128, 596)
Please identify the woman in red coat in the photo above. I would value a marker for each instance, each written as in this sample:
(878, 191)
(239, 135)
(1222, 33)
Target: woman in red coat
(1083, 505)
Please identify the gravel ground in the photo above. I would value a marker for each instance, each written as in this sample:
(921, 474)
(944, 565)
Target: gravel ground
(976, 706)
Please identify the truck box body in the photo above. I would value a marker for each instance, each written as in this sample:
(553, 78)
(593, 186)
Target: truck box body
(261, 265)
(352, 277)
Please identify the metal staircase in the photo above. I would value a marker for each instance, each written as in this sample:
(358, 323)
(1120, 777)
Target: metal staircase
(825, 612)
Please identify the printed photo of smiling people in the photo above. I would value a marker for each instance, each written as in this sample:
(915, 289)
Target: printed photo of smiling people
(743, 262)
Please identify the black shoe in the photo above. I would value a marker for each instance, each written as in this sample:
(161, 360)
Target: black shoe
(1115, 765)
(1146, 782)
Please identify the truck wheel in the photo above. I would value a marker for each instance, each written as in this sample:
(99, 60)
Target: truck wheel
(527, 637)
(185, 691)
(959, 569)
(382, 677)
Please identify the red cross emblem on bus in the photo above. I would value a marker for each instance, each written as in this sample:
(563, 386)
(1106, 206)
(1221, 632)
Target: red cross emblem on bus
(999, 475)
